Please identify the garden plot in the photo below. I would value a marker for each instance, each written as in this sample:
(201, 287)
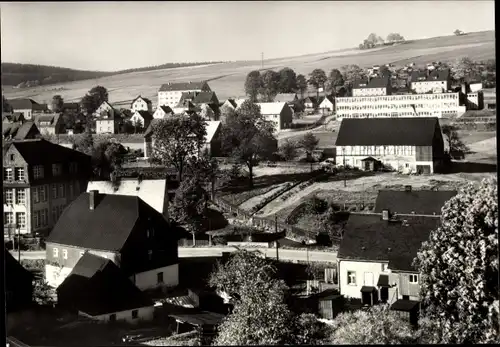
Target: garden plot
(254, 201)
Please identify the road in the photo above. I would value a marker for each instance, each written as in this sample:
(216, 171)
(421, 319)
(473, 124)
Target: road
(190, 252)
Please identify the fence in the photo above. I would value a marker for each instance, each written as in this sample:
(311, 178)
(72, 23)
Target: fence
(189, 243)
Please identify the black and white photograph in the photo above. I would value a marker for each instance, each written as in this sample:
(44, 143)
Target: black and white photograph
(191, 173)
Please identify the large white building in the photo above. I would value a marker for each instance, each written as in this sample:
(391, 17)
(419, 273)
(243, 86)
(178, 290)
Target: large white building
(410, 105)
(372, 87)
(170, 93)
(436, 81)
(279, 113)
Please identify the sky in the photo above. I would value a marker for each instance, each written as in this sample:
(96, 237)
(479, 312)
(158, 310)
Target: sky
(110, 36)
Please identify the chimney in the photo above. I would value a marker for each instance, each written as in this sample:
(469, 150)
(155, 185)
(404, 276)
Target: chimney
(92, 199)
(385, 214)
(407, 188)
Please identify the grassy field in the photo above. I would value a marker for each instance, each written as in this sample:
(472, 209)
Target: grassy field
(227, 79)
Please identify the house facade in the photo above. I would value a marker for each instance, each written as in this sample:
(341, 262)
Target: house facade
(50, 124)
(410, 105)
(408, 145)
(123, 229)
(142, 119)
(327, 103)
(27, 107)
(17, 132)
(170, 93)
(437, 81)
(141, 104)
(279, 113)
(163, 112)
(37, 187)
(376, 86)
(310, 103)
(108, 119)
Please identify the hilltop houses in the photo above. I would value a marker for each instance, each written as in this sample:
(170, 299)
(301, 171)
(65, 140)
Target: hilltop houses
(170, 93)
(108, 119)
(279, 113)
(50, 123)
(141, 104)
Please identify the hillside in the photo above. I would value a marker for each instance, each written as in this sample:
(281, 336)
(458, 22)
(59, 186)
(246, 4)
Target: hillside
(227, 79)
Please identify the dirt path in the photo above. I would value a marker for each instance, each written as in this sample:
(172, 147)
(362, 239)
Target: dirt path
(247, 205)
(361, 184)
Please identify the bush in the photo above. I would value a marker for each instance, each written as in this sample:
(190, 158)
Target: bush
(316, 205)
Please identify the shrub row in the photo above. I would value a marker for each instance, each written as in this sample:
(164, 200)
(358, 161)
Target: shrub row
(296, 214)
(272, 197)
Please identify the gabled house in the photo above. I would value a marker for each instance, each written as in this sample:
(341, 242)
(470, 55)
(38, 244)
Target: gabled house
(310, 103)
(327, 103)
(404, 144)
(289, 98)
(124, 229)
(375, 259)
(141, 119)
(108, 119)
(279, 113)
(436, 81)
(372, 87)
(155, 192)
(141, 104)
(18, 285)
(413, 202)
(40, 179)
(170, 94)
(50, 123)
(185, 105)
(28, 107)
(18, 132)
(163, 112)
(97, 288)
(206, 98)
(239, 102)
(229, 103)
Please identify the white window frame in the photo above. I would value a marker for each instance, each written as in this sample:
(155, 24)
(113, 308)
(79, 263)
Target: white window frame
(350, 276)
(20, 174)
(20, 192)
(9, 174)
(413, 279)
(65, 253)
(55, 252)
(21, 223)
(9, 196)
(38, 172)
(8, 218)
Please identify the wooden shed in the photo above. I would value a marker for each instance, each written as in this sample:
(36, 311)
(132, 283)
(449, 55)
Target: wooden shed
(407, 309)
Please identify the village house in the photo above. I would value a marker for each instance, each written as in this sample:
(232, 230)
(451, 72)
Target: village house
(163, 112)
(71, 107)
(50, 124)
(18, 285)
(375, 259)
(208, 104)
(18, 132)
(40, 180)
(279, 113)
(108, 119)
(28, 107)
(327, 103)
(155, 192)
(185, 105)
(375, 86)
(310, 103)
(96, 288)
(141, 119)
(124, 229)
(290, 99)
(435, 81)
(170, 94)
(10, 118)
(141, 104)
(409, 145)
(229, 103)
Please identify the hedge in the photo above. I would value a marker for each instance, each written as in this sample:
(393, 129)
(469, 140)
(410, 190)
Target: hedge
(272, 197)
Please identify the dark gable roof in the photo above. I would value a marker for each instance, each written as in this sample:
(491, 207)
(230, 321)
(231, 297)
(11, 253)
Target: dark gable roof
(328, 97)
(71, 106)
(425, 202)
(145, 99)
(15, 272)
(376, 82)
(310, 99)
(405, 131)
(369, 238)
(37, 152)
(24, 131)
(146, 115)
(205, 98)
(166, 109)
(182, 86)
(97, 286)
(232, 102)
(434, 75)
(22, 104)
(108, 226)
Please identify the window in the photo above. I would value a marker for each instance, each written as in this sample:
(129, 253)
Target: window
(159, 277)
(147, 234)
(71, 189)
(8, 218)
(54, 191)
(135, 314)
(150, 254)
(12, 157)
(56, 170)
(20, 196)
(21, 220)
(54, 214)
(36, 196)
(112, 318)
(43, 217)
(19, 174)
(55, 252)
(38, 171)
(7, 175)
(8, 196)
(65, 253)
(43, 193)
(61, 190)
(351, 278)
(36, 219)
(413, 278)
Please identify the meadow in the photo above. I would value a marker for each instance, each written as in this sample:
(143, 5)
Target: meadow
(227, 79)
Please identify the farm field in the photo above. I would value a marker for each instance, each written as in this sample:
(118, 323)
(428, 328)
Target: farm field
(227, 79)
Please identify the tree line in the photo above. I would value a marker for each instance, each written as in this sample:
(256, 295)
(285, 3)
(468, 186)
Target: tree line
(373, 40)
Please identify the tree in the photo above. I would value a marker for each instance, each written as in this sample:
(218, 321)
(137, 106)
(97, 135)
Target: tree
(226, 112)
(137, 125)
(352, 73)
(458, 32)
(384, 71)
(176, 139)
(459, 267)
(188, 207)
(43, 293)
(455, 144)
(308, 330)
(207, 112)
(206, 169)
(253, 85)
(270, 85)
(57, 103)
(248, 137)
(85, 143)
(288, 150)
(94, 98)
(463, 68)
(301, 85)
(288, 81)
(6, 107)
(394, 37)
(309, 143)
(335, 79)
(317, 79)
